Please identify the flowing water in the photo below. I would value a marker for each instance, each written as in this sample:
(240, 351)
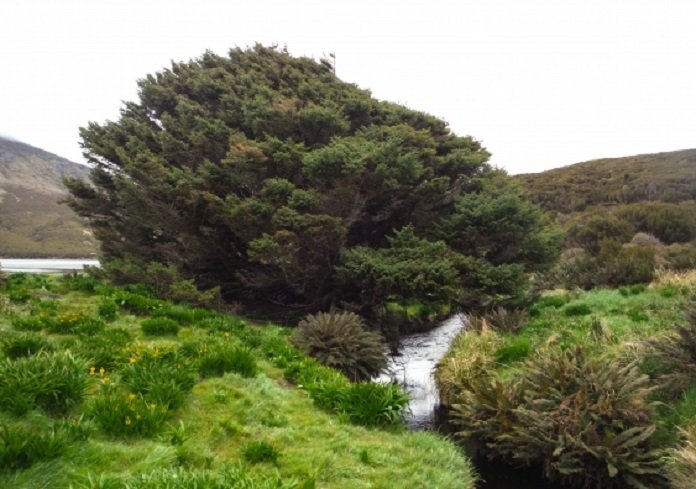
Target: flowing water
(413, 367)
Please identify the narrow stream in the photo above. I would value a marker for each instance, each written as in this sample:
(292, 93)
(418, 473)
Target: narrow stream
(413, 367)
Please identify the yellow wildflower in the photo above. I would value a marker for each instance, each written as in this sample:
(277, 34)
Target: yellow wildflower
(133, 359)
(91, 370)
(128, 420)
(131, 396)
(102, 371)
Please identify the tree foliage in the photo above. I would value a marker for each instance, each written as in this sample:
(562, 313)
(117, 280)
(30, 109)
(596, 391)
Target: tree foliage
(265, 175)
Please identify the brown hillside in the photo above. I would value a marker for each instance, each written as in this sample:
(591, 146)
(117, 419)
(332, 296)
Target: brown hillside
(33, 223)
(666, 177)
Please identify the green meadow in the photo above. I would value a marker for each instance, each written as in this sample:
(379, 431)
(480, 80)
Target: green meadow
(102, 387)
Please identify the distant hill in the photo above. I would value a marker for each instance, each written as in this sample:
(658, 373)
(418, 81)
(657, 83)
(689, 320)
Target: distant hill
(666, 177)
(32, 221)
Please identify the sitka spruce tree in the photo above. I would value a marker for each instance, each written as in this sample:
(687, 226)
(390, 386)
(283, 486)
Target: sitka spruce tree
(265, 175)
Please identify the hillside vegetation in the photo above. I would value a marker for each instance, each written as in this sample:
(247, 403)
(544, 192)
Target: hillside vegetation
(664, 177)
(33, 222)
(111, 388)
(623, 218)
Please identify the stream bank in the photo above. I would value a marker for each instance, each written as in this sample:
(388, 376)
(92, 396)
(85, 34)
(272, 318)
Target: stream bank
(413, 368)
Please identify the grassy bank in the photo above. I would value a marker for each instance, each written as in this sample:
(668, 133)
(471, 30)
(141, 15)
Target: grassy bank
(577, 388)
(114, 389)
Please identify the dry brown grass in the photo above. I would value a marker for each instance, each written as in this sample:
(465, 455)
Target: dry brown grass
(683, 278)
(683, 473)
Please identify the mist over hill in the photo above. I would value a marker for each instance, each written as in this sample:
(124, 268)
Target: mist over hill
(33, 222)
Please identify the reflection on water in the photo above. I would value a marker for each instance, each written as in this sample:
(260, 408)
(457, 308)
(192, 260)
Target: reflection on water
(44, 265)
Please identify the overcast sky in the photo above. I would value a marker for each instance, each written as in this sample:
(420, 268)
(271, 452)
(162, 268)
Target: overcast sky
(542, 83)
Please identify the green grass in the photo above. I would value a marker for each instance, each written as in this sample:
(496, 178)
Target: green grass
(626, 321)
(199, 408)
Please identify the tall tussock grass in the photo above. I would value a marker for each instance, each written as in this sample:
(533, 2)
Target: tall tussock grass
(683, 467)
(52, 381)
(585, 421)
(471, 356)
(341, 341)
(678, 352)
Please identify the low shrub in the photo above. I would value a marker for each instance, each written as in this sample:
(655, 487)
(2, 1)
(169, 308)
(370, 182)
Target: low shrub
(53, 381)
(34, 323)
(646, 239)
(627, 265)
(637, 289)
(506, 320)
(44, 307)
(22, 447)
(613, 265)
(26, 281)
(105, 350)
(159, 326)
(223, 324)
(585, 421)
(182, 314)
(16, 345)
(279, 350)
(19, 296)
(259, 452)
(555, 301)
(107, 310)
(682, 256)
(223, 356)
(308, 371)
(163, 280)
(236, 327)
(632, 290)
(340, 341)
(637, 316)
(370, 404)
(678, 352)
(161, 377)
(577, 309)
(79, 281)
(514, 349)
(364, 403)
(547, 301)
(120, 413)
(670, 290)
(137, 303)
(76, 322)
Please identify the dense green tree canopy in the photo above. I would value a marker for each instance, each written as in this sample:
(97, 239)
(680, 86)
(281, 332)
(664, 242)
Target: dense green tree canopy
(266, 175)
